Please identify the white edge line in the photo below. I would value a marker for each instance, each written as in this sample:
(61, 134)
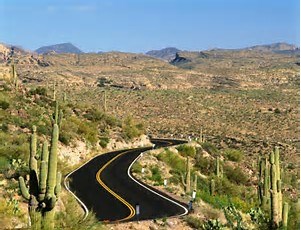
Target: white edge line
(129, 174)
(81, 203)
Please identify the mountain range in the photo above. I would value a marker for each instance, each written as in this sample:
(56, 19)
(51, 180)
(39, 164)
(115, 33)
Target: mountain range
(167, 54)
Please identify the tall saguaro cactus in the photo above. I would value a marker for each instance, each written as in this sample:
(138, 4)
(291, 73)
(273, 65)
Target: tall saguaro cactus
(271, 191)
(44, 187)
(14, 76)
(186, 182)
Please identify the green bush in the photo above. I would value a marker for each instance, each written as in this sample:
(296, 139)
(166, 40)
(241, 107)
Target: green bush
(205, 165)
(4, 163)
(156, 175)
(210, 148)
(186, 150)
(39, 90)
(193, 222)
(137, 167)
(4, 105)
(234, 155)
(235, 175)
(130, 129)
(173, 160)
(94, 115)
(103, 141)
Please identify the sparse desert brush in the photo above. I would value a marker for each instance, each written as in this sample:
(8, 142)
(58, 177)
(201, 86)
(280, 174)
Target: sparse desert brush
(234, 155)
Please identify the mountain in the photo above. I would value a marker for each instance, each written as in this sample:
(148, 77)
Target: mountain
(281, 48)
(167, 54)
(59, 48)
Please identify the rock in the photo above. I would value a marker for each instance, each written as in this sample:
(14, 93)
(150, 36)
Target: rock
(153, 227)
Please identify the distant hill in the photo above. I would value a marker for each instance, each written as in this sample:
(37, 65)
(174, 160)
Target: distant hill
(167, 54)
(275, 47)
(59, 48)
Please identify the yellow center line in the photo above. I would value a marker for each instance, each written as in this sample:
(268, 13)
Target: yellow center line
(132, 210)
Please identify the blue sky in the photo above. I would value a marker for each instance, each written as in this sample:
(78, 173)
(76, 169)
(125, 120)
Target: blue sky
(142, 25)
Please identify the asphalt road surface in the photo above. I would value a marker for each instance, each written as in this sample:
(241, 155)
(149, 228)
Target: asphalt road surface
(105, 187)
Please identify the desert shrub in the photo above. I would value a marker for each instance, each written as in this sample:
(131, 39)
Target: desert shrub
(111, 121)
(65, 137)
(210, 148)
(156, 175)
(219, 201)
(94, 115)
(277, 111)
(4, 127)
(234, 155)
(294, 215)
(14, 146)
(137, 167)
(235, 175)
(233, 217)
(224, 187)
(212, 225)
(130, 129)
(193, 222)
(4, 163)
(4, 105)
(39, 90)
(186, 150)
(173, 160)
(205, 164)
(103, 141)
(71, 218)
(87, 130)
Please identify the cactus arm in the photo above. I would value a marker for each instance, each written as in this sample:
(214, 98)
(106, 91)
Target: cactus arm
(61, 115)
(217, 167)
(58, 186)
(45, 152)
(183, 180)
(24, 190)
(187, 189)
(52, 163)
(279, 190)
(43, 177)
(212, 187)
(274, 198)
(195, 183)
(277, 162)
(56, 113)
(285, 215)
(33, 164)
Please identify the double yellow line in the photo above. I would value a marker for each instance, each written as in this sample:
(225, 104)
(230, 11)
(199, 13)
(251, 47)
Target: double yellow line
(132, 210)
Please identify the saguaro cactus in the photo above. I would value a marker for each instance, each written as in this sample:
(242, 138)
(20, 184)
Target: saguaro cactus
(212, 187)
(105, 101)
(218, 168)
(14, 76)
(54, 92)
(195, 182)
(186, 182)
(285, 215)
(272, 188)
(43, 193)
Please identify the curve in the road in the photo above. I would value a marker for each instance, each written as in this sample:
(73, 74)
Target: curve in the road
(119, 191)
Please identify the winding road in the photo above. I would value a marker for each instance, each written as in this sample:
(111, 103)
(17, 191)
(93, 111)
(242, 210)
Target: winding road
(105, 186)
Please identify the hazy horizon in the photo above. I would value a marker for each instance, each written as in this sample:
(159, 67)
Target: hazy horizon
(135, 26)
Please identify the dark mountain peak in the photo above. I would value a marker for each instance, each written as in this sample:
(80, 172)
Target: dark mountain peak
(179, 60)
(59, 48)
(167, 54)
